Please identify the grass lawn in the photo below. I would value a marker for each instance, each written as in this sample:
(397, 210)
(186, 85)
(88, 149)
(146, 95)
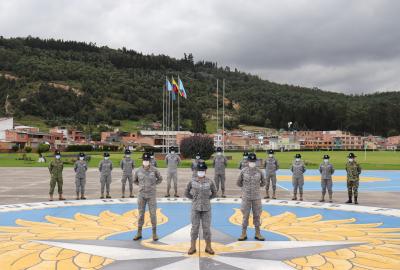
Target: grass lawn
(378, 160)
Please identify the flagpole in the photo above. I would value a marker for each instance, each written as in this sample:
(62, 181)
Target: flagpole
(217, 109)
(168, 117)
(223, 115)
(163, 90)
(178, 106)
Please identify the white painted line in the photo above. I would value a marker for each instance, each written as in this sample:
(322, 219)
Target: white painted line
(282, 187)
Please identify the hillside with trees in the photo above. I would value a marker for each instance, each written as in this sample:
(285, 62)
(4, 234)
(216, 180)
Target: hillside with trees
(75, 82)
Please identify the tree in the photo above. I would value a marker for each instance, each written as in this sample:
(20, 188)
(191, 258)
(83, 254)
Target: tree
(43, 148)
(198, 122)
(204, 145)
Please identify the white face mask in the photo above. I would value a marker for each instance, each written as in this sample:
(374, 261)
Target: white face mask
(326, 160)
(201, 173)
(245, 157)
(297, 159)
(351, 159)
(146, 163)
(106, 158)
(58, 156)
(127, 156)
(197, 157)
(252, 164)
(81, 158)
(219, 153)
(270, 155)
(151, 157)
(172, 152)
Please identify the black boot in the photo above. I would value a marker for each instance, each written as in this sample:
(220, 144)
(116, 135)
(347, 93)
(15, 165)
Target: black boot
(355, 200)
(350, 195)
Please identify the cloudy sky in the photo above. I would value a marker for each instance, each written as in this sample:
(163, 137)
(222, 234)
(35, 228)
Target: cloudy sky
(350, 46)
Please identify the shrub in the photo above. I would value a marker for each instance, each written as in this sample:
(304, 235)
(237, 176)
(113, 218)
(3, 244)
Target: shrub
(199, 143)
(43, 148)
(28, 149)
(79, 148)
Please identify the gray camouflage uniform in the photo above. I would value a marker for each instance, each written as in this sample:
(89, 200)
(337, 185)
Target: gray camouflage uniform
(153, 162)
(194, 166)
(326, 170)
(105, 168)
(80, 169)
(250, 180)
(219, 164)
(201, 192)
(298, 169)
(243, 164)
(127, 165)
(147, 179)
(172, 160)
(271, 166)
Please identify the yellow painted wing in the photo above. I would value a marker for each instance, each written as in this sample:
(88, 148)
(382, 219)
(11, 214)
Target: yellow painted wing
(381, 251)
(17, 252)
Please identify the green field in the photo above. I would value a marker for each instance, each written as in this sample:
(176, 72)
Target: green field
(378, 160)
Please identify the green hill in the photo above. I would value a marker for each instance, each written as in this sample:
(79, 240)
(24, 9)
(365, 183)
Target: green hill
(80, 83)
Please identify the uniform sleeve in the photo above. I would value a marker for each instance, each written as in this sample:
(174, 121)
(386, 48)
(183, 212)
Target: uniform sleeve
(358, 169)
(136, 178)
(332, 169)
(291, 168)
(239, 182)
(51, 166)
(262, 181)
(159, 177)
(179, 160)
(347, 168)
(304, 168)
(213, 190)
(121, 164)
(133, 164)
(111, 166)
(166, 159)
(75, 166)
(277, 164)
(320, 168)
(192, 166)
(214, 162)
(187, 190)
(240, 165)
(100, 166)
(225, 161)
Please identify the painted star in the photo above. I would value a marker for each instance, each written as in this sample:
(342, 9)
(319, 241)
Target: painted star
(162, 255)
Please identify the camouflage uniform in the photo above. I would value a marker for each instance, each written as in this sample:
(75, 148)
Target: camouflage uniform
(243, 164)
(105, 168)
(56, 167)
(298, 169)
(147, 179)
(194, 166)
(219, 164)
(127, 165)
(172, 160)
(353, 170)
(326, 170)
(80, 169)
(201, 192)
(250, 180)
(153, 162)
(271, 166)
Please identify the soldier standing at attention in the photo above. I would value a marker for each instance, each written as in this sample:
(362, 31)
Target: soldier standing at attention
(271, 166)
(172, 160)
(153, 161)
(201, 190)
(250, 180)
(147, 177)
(56, 167)
(298, 169)
(195, 161)
(244, 162)
(127, 165)
(326, 169)
(353, 170)
(105, 168)
(80, 169)
(219, 164)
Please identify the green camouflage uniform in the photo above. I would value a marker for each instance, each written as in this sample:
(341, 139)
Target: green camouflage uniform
(353, 170)
(55, 168)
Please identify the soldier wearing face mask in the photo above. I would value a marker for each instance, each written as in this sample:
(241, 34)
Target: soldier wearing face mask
(326, 169)
(244, 162)
(219, 164)
(147, 178)
(80, 168)
(105, 168)
(173, 160)
(127, 165)
(56, 167)
(195, 161)
(298, 169)
(250, 180)
(271, 166)
(353, 170)
(201, 190)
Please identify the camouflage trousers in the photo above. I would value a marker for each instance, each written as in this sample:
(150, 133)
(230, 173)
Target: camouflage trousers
(219, 179)
(251, 206)
(56, 180)
(298, 183)
(105, 181)
(326, 184)
(352, 188)
(80, 183)
(125, 178)
(270, 179)
(172, 176)
(205, 218)
(152, 205)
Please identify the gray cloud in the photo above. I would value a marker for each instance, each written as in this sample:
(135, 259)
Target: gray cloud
(349, 46)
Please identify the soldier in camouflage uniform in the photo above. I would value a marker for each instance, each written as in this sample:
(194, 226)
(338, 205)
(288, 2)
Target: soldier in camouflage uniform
(153, 161)
(271, 166)
(250, 180)
(105, 168)
(298, 169)
(172, 160)
(195, 161)
(244, 162)
(147, 177)
(201, 190)
(80, 169)
(326, 169)
(127, 165)
(353, 170)
(56, 167)
(219, 164)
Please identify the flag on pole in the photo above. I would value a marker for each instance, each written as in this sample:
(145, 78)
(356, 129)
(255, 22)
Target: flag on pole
(175, 86)
(168, 85)
(182, 90)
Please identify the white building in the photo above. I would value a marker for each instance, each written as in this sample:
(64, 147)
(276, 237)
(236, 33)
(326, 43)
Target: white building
(5, 123)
